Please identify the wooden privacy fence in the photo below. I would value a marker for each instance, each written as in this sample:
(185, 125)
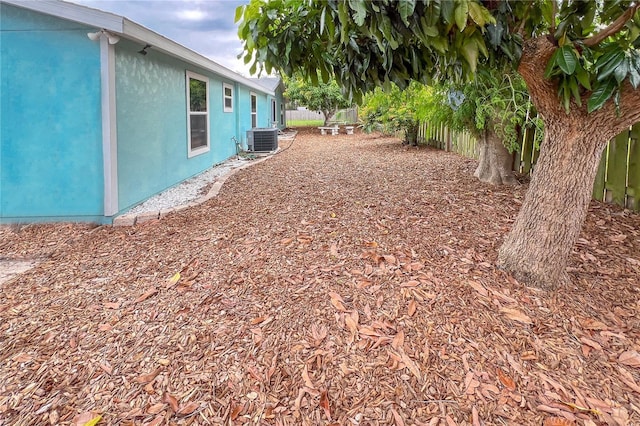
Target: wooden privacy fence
(618, 178)
(347, 115)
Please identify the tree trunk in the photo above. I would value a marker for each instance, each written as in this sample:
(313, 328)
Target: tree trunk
(495, 163)
(327, 116)
(537, 249)
(411, 134)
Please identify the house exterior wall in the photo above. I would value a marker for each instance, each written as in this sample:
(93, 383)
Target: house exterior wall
(244, 111)
(280, 113)
(152, 122)
(50, 143)
(54, 146)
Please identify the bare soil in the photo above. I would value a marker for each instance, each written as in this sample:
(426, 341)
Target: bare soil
(348, 280)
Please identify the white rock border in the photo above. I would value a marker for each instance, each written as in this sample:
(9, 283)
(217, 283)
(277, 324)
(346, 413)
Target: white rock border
(131, 219)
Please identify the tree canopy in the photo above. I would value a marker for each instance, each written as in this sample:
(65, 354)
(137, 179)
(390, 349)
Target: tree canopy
(396, 110)
(495, 99)
(367, 44)
(324, 97)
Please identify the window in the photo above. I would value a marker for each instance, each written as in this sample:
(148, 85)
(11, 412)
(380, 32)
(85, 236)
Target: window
(198, 114)
(274, 107)
(282, 114)
(254, 110)
(227, 96)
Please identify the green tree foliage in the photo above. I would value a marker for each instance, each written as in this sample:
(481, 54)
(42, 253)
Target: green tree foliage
(324, 97)
(366, 44)
(493, 99)
(395, 110)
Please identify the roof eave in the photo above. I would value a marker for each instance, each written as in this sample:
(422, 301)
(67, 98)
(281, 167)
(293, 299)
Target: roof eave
(132, 31)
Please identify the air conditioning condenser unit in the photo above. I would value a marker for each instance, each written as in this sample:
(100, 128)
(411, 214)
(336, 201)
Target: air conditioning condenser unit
(262, 139)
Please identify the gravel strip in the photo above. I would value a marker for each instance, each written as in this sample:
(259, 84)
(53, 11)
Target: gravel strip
(189, 190)
(194, 188)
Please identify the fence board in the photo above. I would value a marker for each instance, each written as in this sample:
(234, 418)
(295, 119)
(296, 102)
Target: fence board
(616, 182)
(633, 191)
(601, 176)
(527, 152)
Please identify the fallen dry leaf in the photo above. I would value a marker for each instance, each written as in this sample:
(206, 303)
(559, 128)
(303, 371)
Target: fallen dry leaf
(591, 324)
(324, 404)
(236, 410)
(156, 408)
(307, 380)
(319, 333)
(595, 345)
(86, 419)
(187, 409)
(516, 315)
(337, 301)
(171, 400)
(627, 378)
(22, 357)
(475, 418)
(413, 306)
(173, 280)
(146, 378)
(398, 341)
(397, 418)
(258, 320)
(479, 288)
(630, 358)
(147, 294)
(557, 421)
(111, 305)
(506, 380)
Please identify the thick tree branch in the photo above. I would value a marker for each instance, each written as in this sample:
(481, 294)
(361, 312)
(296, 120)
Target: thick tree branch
(613, 28)
(629, 111)
(544, 94)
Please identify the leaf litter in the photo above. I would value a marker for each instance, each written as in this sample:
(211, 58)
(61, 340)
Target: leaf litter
(348, 280)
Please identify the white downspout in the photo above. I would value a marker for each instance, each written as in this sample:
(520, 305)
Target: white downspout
(109, 128)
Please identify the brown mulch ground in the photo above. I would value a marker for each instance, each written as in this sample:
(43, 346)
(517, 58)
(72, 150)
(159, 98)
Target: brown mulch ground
(348, 280)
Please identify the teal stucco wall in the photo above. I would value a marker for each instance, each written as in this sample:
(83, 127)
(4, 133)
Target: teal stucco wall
(152, 123)
(244, 110)
(50, 143)
(51, 161)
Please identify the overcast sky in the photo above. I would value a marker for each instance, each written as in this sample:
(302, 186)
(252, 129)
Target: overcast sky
(205, 26)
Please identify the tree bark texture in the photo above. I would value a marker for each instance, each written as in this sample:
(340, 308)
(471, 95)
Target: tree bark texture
(537, 249)
(495, 162)
(411, 134)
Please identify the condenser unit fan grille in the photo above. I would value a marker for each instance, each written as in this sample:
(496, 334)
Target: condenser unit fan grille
(262, 140)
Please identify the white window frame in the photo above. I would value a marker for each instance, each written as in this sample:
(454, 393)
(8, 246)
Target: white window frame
(225, 108)
(282, 114)
(202, 149)
(254, 113)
